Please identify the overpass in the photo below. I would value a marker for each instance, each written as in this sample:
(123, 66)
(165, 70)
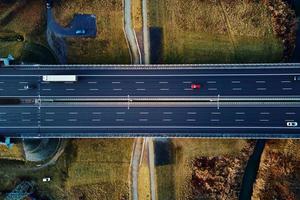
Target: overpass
(259, 100)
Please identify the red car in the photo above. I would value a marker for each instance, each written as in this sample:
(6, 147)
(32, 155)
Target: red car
(195, 86)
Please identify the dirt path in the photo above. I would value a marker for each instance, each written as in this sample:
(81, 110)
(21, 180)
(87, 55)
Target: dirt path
(151, 159)
(135, 162)
(130, 34)
(146, 39)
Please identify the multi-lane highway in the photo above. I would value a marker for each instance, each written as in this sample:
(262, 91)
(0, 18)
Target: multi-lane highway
(237, 101)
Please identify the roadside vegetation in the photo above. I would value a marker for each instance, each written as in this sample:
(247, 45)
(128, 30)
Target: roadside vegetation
(22, 31)
(203, 168)
(88, 169)
(279, 172)
(109, 46)
(221, 31)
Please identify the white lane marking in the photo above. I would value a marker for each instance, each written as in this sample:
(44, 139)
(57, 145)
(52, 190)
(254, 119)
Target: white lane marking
(187, 82)
(215, 113)
(143, 120)
(264, 120)
(290, 113)
(3, 120)
(167, 120)
(50, 113)
(70, 89)
(191, 120)
(26, 120)
(236, 89)
(239, 113)
(117, 89)
(261, 89)
(23, 82)
(139, 82)
(25, 113)
(49, 120)
(73, 113)
(211, 82)
(235, 82)
(188, 89)
(96, 120)
(167, 113)
(214, 120)
(289, 120)
(115, 82)
(144, 113)
(120, 120)
(21, 89)
(212, 89)
(120, 113)
(2, 82)
(92, 82)
(46, 89)
(141, 89)
(191, 113)
(72, 120)
(287, 88)
(96, 113)
(163, 82)
(285, 81)
(164, 89)
(93, 89)
(260, 81)
(239, 120)
(1, 89)
(3, 113)
(264, 113)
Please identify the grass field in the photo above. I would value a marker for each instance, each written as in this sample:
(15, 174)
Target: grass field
(110, 44)
(14, 153)
(206, 32)
(99, 169)
(173, 180)
(28, 21)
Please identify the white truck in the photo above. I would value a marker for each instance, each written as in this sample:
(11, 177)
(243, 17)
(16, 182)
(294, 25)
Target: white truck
(60, 78)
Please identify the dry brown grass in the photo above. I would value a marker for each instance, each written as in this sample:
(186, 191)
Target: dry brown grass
(15, 153)
(136, 11)
(279, 172)
(197, 32)
(110, 45)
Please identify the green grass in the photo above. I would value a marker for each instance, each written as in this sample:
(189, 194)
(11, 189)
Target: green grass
(100, 169)
(110, 44)
(197, 32)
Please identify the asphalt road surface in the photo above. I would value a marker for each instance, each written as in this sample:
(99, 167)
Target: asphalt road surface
(81, 108)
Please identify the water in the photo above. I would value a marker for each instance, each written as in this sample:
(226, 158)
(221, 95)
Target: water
(251, 171)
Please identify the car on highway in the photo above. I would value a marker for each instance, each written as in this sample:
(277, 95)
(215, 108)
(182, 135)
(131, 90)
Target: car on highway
(46, 179)
(49, 4)
(195, 86)
(80, 32)
(292, 124)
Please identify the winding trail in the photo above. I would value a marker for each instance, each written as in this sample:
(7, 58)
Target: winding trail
(130, 35)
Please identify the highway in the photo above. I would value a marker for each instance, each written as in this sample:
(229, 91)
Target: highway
(116, 101)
